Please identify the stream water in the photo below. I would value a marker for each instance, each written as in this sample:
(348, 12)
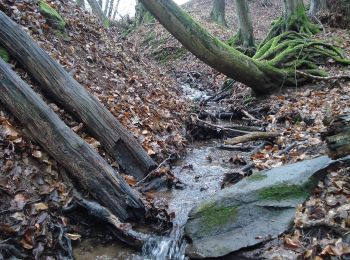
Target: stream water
(201, 171)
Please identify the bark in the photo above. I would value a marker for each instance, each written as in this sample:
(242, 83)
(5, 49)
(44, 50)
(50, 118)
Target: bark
(81, 3)
(61, 87)
(260, 76)
(245, 34)
(88, 168)
(317, 6)
(106, 7)
(97, 10)
(110, 9)
(218, 12)
(338, 137)
(252, 137)
(142, 15)
(291, 7)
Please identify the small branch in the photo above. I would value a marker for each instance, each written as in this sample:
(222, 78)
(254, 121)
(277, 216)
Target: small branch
(235, 148)
(251, 137)
(155, 170)
(326, 223)
(288, 148)
(232, 130)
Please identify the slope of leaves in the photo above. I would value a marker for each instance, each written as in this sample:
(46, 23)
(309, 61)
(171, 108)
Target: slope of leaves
(140, 95)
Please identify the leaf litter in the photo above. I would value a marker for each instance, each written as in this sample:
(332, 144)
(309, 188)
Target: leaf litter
(144, 97)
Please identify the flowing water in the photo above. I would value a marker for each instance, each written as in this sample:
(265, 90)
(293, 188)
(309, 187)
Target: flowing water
(201, 171)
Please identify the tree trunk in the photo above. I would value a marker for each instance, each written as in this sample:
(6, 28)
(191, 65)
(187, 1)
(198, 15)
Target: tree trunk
(61, 87)
(317, 6)
(110, 9)
(88, 168)
(97, 10)
(291, 7)
(142, 15)
(106, 7)
(81, 3)
(245, 34)
(338, 137)
(100, 3)
(218, 12)
(260, 76)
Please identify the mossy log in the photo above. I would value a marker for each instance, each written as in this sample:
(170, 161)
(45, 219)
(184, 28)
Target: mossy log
(59, 85)
(87, 167)
(338, 137)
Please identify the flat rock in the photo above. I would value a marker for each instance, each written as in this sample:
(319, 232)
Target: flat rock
(252, 211)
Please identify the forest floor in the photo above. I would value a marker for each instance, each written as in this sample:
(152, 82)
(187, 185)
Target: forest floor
(139, 78)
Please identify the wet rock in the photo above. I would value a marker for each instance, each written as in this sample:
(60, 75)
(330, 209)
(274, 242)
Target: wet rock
(252, 211)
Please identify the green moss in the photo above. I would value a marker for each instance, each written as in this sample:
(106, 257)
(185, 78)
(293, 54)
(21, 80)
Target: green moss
(4, 55)
(106, 23)
(53, 17)
(214, 216)
(286, 191)
(257, 177)
(148, 18)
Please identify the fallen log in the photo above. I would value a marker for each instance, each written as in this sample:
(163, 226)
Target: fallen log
(338, 137)
(59, 85)
(251, 137)
(86, 166)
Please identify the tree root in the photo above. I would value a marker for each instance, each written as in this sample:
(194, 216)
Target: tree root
(299, 23)
(298, 55)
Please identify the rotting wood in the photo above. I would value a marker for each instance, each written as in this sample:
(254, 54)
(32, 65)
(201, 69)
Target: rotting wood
(86, 166)
(252, 137)
(59, 85)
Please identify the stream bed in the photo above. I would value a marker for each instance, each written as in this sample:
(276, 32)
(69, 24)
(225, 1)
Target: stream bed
(202, 171)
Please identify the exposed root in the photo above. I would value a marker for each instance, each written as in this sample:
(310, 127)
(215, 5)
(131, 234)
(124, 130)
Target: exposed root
(298, 22)
(298, 55)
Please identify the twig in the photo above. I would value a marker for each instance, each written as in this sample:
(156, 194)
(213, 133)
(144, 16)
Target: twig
(249, 115)
(288, 148)
(324, 223)
(235, 148)
(221, 127)
(251, 137)
(155, 170)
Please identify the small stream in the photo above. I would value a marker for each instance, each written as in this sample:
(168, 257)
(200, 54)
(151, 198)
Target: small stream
(202, 171)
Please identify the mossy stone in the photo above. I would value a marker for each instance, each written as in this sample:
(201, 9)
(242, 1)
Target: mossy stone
(4, 55)
(54, 19)
(215, 217)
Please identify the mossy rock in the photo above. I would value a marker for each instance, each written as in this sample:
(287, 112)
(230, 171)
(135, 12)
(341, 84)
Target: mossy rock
(4, 55)
(53, 18)
(261, 205)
